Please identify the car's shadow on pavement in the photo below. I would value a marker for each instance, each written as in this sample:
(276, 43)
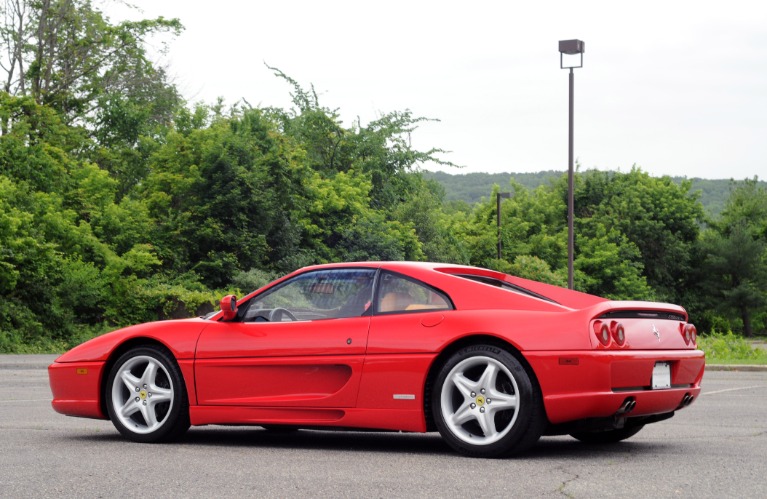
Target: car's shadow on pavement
(566, 447)
(547, 448)
(412, 443)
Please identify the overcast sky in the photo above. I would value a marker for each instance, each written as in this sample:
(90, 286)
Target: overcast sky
(676, 87)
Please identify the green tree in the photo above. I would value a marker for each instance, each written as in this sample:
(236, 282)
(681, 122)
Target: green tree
(380, 149)
(736, 265)
(35, 144)
(223, 196)
(66, 54)
(534, 232)
(69, 57)
(658, 217)
(733, 258)
(435, 229)
(608, 264)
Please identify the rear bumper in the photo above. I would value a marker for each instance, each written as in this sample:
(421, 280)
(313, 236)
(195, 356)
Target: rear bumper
(594, 384)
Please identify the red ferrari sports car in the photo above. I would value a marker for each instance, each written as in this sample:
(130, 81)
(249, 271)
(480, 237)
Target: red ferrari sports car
(489, 360)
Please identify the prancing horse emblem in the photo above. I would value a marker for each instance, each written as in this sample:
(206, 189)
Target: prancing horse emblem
(656, 332)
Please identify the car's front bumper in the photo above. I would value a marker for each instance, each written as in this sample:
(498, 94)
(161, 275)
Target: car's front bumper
(75, 387)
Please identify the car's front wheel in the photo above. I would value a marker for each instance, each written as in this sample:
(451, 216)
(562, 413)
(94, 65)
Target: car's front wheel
(485, 404)
(146, 397)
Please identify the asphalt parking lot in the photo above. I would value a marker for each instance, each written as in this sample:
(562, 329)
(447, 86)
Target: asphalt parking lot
(715, 448)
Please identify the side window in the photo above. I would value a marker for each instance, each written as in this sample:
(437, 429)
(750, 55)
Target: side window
(322, 294)
(400, 294)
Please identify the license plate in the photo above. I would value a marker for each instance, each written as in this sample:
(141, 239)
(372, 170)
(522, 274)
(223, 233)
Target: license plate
(661, 376)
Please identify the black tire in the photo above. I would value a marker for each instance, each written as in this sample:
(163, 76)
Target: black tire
(607, 436)
(485, 404)
(146, 397)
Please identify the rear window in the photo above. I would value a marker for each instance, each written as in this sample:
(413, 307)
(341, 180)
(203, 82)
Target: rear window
(505, 285)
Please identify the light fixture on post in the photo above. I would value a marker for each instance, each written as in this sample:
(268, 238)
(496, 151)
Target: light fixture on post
(499, 196)
(570, 48)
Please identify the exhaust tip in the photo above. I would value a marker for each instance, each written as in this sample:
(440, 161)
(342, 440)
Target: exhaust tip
(627, 406)
(686, 400)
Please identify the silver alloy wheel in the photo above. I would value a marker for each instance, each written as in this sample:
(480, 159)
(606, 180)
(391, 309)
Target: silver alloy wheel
(142, 394)
(479, 400)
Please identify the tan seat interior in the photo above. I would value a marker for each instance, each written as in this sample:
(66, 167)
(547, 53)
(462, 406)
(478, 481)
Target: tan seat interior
(394, 301)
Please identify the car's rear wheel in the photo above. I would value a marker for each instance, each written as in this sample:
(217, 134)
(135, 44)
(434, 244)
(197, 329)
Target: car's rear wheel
(146, 397)
(607, 436)
(485, 404)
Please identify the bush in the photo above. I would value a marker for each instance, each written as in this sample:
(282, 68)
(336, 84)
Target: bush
(730, 348)
(252, 280)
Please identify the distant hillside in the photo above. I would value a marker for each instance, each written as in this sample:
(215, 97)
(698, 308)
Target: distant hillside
(471, 187)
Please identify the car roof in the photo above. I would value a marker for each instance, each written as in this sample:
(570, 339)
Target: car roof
(393, 265)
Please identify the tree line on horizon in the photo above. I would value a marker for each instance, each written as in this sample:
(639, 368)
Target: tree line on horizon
(120, 202)
(472, 187)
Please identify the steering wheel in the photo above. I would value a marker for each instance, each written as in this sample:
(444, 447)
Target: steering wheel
(277, 314)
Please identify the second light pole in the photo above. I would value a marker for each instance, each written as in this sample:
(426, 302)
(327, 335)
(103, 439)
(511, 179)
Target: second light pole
(499, 196)
(570, 48)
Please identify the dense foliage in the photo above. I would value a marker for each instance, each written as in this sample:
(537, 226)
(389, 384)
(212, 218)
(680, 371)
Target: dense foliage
(121, 203)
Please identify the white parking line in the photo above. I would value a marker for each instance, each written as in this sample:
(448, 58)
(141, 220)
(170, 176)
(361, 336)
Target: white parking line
(24, 400)
(732, 390)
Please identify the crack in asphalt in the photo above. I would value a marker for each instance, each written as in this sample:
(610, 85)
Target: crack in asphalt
(563, 486)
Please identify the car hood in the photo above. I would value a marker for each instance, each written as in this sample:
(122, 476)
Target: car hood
(179, 336)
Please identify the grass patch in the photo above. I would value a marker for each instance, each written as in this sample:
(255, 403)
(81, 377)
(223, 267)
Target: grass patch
(729, 348)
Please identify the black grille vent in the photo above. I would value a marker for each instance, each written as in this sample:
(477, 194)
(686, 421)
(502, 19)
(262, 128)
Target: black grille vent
(643, 314)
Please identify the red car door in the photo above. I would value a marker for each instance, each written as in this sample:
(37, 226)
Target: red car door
(311, 358)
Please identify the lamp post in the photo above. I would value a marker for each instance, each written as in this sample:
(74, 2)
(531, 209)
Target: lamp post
(499, 196)
(570, 48)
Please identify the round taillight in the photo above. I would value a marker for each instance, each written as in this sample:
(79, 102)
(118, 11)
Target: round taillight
(689, 333)
(604, 335)
(619, 333)
(602, 332)
(693, 332)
